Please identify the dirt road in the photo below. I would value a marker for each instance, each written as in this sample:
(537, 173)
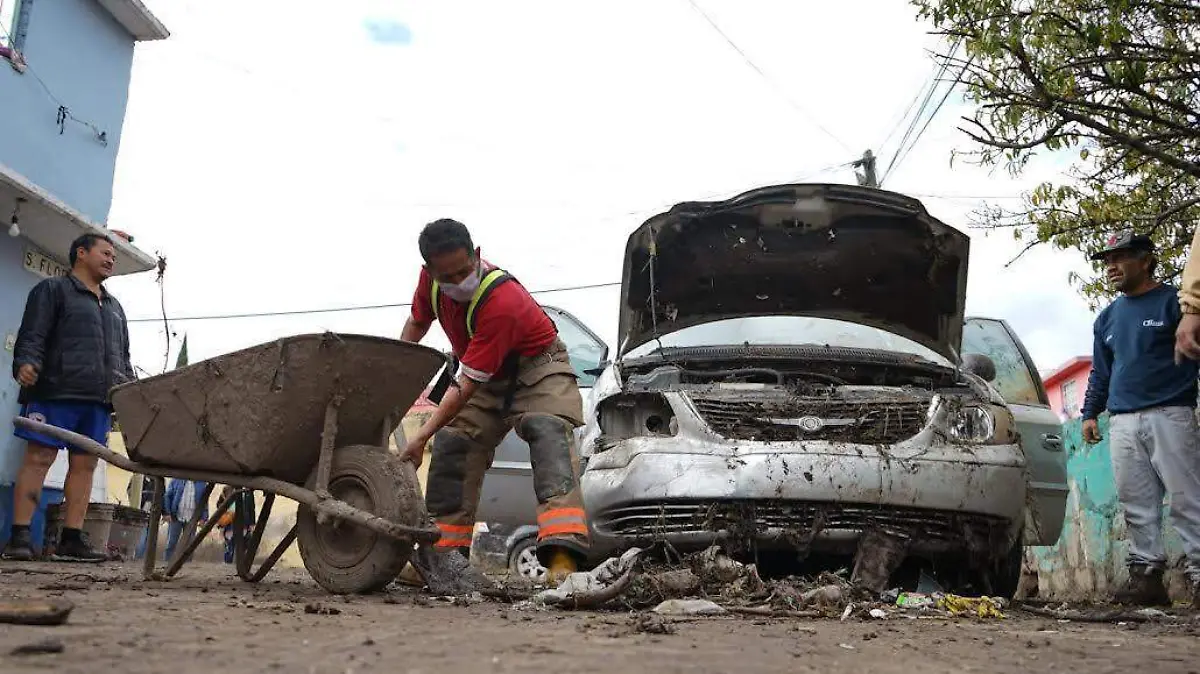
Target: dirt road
(207, 621)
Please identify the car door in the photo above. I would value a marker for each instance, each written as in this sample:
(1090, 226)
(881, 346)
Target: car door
(507, 495)
(1021, 386)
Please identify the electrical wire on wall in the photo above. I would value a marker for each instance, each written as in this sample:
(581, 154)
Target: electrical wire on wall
(63, 114)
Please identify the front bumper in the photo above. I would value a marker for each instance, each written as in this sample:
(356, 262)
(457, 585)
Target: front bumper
(791, 494)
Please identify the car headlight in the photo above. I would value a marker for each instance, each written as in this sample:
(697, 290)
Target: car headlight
(631, 415)
(971, 424)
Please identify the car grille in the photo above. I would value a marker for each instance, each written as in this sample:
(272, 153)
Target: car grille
(651, 521)
(871, 422)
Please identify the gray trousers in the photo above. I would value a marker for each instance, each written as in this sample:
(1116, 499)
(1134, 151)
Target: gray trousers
(1156, 452)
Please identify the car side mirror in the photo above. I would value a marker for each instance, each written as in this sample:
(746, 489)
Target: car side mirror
(979, 365)
(600, 366)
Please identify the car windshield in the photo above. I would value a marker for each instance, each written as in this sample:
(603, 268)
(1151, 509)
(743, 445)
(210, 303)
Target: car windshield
(789, 331)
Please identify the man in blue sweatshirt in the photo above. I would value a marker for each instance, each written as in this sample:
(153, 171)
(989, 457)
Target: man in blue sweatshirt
(1154, 438)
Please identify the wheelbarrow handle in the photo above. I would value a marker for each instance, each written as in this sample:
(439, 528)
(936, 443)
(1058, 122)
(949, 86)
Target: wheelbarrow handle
(329, 506)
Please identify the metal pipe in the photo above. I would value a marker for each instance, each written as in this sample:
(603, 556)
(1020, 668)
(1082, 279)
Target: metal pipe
(332, 507)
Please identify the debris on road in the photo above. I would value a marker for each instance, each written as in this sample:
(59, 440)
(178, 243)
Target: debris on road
(689, 607)
(35, 612)
(980, 607)
(1105, 615)
(43, 647)
(880, 553)
(321, 609)
(593, 588)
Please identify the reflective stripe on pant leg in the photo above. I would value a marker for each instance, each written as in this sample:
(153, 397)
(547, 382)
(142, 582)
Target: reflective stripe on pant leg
(446, 496)
(562, 521)
(454, 535)
(1175, 453)
(559, 521)
(1138, 488)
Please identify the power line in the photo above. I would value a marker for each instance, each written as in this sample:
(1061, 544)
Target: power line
(365, 307)
(775, 85)
(949, 90)
(940, 71)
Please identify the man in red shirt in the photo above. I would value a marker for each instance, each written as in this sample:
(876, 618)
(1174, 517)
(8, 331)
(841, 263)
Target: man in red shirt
(515, 374)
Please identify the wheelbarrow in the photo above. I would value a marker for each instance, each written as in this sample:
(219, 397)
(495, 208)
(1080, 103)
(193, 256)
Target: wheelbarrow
(305, 417)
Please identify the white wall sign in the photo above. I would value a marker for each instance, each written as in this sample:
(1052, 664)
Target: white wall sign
(43, 265)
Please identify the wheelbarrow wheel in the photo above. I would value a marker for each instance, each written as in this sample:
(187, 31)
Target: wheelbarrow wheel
(347, 558)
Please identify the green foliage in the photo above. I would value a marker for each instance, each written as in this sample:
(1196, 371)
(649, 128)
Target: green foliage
(1116, 81)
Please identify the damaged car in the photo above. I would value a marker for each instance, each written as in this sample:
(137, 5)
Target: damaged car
(795, 373)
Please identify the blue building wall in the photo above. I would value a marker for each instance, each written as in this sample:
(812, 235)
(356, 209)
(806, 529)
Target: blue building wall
(1089, 559)
(79, 57)
(84, 58)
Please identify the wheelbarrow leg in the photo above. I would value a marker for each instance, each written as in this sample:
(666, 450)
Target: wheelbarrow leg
(245, 551)
(158, 490)
(186, 554)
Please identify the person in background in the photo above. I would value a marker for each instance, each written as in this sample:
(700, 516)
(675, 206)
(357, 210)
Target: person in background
(182, 500)
(71, 348)
(245, 502)
(1187, 335)
(1151, 397)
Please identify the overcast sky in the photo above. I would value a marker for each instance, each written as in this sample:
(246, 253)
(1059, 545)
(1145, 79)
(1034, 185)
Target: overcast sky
(284, 155)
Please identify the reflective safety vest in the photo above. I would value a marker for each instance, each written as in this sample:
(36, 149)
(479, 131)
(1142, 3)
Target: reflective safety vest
(492, 280)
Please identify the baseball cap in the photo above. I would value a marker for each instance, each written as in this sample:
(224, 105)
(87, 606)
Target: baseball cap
(1125, 241)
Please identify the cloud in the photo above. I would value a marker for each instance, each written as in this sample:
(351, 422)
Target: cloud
(387, 31)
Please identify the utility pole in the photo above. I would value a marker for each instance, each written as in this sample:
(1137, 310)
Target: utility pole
(867, 163)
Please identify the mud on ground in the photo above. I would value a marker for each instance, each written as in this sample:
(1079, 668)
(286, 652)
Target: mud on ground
(207, 620)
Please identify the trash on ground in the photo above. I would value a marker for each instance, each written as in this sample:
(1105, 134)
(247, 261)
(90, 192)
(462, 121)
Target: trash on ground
(689, 607)
(980, 607)
(878, 613)
(880, 553)
(593, 588)
(914, 600)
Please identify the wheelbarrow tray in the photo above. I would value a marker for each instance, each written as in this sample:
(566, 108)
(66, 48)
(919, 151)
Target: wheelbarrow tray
(260, 411)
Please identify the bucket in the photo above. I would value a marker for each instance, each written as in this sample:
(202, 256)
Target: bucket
(97, 523)
(127, 528)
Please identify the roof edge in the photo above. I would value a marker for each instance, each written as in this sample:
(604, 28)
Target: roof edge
(1066, 368)
(136, 18)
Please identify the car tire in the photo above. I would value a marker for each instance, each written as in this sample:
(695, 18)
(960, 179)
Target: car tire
(523, 561)
(1006, 577)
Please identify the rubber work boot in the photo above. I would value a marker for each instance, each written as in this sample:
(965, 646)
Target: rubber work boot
(20, 546)
(448, 573)
(562, 564)
(1144, 588)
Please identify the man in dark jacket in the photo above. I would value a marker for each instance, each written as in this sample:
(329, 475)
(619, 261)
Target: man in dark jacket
(1151, 398)
(72, 347)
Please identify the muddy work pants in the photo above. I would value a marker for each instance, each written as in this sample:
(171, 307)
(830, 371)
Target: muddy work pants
(545, 409)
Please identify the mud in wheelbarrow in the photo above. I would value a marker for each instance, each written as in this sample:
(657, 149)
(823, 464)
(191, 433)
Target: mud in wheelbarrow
(307, 418)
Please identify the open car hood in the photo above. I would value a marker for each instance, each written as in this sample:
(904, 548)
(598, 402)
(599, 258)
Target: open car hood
(843, 252)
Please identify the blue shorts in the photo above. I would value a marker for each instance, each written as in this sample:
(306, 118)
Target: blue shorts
(85, 418)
